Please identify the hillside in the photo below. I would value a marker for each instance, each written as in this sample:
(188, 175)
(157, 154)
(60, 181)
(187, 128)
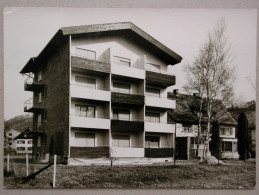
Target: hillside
(19, 123)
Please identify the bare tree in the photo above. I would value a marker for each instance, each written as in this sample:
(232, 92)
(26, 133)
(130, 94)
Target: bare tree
(212, 75)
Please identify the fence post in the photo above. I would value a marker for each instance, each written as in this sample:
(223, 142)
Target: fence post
(27, 165)
(54, 170)
(8, 163)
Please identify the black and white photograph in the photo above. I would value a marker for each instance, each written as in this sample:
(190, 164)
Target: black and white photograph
(129, 98)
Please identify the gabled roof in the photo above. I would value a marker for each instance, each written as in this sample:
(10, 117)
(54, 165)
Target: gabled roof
(126, 29)
(183, 113)
(27, 134)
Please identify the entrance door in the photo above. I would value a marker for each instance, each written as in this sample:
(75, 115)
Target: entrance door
(181, 148)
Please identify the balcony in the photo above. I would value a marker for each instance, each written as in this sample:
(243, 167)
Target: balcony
(84, 92)
(87, 122)
(33, 83)
(159, 79)
(158, 102)
(128, 71)
(135, 99)
(159, 127)
(90, 64)
(31, 106)
(127, 125)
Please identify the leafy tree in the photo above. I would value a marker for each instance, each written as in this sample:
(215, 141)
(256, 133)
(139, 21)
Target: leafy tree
(215, 144)
(211, 75)
(242, 136)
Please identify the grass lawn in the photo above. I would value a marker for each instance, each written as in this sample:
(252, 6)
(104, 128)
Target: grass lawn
(231, 175)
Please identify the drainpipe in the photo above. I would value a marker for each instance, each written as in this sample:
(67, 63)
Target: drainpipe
(174, 144)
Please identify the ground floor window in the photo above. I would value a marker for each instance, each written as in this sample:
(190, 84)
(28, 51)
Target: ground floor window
(119, 140)
(226, 146)
(152, 142)
(85, 139)
(20, 148)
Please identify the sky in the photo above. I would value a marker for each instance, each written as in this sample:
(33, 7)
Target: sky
(28, 30)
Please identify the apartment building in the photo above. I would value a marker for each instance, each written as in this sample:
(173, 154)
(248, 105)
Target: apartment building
(9, 141)
(24, 142)
(187, 128)
(100, 91)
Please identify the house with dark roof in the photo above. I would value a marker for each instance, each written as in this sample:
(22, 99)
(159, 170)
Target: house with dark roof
(9, 141)
(185, 116)
(101, 90)
(26, 140)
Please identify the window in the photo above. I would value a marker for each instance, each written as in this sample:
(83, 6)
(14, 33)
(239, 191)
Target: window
(153, 67)
(152, 142)
(187, 127)
(226, 131)
(121, 87)
(153, 117)
(121, 114)
(121, 140)
(20, 141)
(86, 53)
(39, 76)
(39, 120)
(29, 141)
(153, 92)
(39, 96)
(39, 141)
(122, 61)
(85, 139)
(86, 111)
(89, 82)
(45, 68)
(45, 92)
(29, 148)
(45, 115)
(20, 148)
(227, 146)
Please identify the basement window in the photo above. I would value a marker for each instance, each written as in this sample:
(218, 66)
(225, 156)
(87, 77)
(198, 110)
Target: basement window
(152, 142)
(226, 146)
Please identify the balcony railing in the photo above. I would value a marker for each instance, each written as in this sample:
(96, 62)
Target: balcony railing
(97, 122)
(30, 106)
(126, 92)
(160, 102)
(33, 82)
(130, 66)
(87, 92)
(90, 64)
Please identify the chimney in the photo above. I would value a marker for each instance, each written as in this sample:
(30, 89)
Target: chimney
(196, 94)
(176, 92)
